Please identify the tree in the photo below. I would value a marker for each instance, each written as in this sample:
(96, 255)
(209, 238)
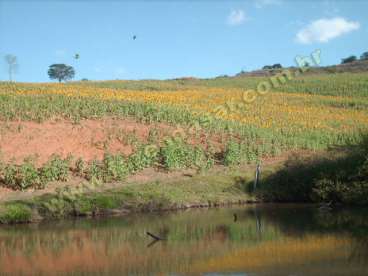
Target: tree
(61, 72)
(267, 67)
(348, 59)
(12, 65)
(277, 66)
(270, 67)
(364, 56)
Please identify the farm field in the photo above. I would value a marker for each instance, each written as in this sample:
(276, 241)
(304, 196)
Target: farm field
(333, 109)
(109, 130)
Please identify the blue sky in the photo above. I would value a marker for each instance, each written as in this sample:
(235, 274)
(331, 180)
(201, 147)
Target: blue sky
(175, 38)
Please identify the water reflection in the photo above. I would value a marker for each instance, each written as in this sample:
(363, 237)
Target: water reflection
(263, 240)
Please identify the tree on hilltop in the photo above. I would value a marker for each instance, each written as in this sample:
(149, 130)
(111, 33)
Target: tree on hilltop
(61, 72)
(348, 59)
(364, 56)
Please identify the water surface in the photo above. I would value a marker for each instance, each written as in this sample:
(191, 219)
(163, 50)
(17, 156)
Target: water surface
(262, 240)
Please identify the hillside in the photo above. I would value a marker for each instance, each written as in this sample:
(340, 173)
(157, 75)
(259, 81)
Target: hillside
(63, 138)
(359, 66)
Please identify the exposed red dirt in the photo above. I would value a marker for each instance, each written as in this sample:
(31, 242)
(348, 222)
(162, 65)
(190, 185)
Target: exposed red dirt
(89, 139)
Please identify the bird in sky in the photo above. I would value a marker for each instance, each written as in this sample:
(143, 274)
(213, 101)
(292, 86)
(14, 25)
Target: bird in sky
(134, 37)
(76, 56)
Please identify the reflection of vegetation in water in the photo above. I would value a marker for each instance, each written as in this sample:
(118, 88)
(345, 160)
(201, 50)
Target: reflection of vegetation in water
(262, 239)
(281, 254)
(359, 253)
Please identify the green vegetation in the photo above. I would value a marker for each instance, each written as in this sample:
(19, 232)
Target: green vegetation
(177, 154)
(15, 213)
(91, 198)
(349, 59)
(26, 175)
(274, 124)
(239, 153)
(364, 56)
(338, 177)
(61, 72)
(342, 84)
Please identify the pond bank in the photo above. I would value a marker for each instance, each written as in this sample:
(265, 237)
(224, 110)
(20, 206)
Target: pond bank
(334, 177)
(214, 188)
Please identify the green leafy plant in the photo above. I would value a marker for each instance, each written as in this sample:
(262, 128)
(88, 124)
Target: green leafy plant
(233, 155)
(22, 177)
(202, 161)
(175, 153)
(144, 157)
(114, 167)
(94, 170)
(80, 167)
(56, 169)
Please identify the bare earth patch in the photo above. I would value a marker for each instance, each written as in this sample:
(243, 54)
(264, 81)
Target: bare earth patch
(89, 139)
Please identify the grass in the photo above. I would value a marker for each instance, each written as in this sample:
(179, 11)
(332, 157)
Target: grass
(15, 213)
(208, 189)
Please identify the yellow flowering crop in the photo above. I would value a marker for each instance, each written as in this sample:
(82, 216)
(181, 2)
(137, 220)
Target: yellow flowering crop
(294, 112)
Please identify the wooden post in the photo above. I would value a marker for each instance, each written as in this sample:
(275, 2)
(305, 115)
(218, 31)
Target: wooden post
(257, 176)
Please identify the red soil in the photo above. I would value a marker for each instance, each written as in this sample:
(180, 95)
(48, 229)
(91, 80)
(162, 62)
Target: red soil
(89, 139)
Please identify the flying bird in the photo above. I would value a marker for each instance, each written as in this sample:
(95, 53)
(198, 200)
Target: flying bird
(76, 56)
(134, 37)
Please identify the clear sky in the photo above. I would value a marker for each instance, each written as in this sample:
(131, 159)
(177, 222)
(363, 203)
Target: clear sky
(175, 38)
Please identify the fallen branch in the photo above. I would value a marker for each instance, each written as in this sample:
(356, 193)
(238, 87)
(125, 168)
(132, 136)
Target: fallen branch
(154, 236)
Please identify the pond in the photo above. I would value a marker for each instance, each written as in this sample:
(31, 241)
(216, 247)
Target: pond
(257, 240)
